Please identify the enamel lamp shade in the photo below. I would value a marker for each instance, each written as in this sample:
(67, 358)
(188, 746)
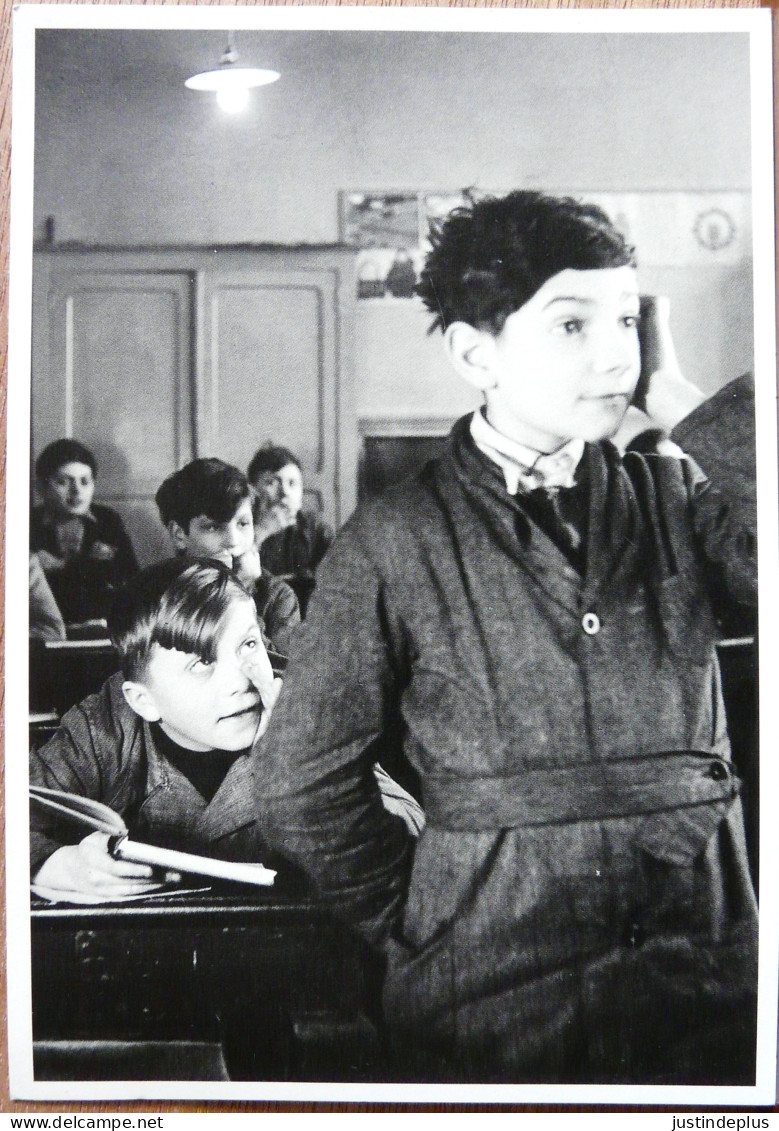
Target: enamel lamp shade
(231, 83)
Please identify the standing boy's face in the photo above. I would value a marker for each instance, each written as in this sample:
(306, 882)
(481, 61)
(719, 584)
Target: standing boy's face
(222, 540)
(207, 706)
(566, 363)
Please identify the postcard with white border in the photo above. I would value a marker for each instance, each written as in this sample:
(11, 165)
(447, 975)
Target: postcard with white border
(396, 393)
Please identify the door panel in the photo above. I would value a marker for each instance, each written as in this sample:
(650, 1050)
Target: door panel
(152, 357)
(271, 371)
(118, 378)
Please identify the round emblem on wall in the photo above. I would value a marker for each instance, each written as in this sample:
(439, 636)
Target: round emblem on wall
(714, 229)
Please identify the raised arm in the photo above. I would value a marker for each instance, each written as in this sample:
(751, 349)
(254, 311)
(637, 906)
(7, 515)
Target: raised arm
(718, 434)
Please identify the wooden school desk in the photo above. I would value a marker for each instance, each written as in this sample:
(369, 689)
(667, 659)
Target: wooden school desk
(241, 983)
(63, 672)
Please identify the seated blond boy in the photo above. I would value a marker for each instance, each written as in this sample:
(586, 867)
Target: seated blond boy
(165, 742)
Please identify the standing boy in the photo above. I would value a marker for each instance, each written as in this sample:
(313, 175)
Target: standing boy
(529, 621)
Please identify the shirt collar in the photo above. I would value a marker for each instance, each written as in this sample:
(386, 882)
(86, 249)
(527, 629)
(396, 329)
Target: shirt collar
(525, 468)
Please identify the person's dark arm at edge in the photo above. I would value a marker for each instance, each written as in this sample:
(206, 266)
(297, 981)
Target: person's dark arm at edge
(317, 797)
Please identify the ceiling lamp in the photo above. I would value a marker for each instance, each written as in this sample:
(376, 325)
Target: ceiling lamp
(231, 84)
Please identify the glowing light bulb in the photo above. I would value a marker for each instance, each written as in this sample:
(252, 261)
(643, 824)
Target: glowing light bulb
(232, 99)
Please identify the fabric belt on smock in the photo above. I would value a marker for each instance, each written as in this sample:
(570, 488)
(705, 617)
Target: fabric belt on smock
(660, 782)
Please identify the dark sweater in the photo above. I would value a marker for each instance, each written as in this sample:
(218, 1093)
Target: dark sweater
(83, 588)
(298, 548)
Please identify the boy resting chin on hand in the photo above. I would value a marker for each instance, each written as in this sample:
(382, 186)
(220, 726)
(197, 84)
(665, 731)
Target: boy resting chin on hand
(207, 507)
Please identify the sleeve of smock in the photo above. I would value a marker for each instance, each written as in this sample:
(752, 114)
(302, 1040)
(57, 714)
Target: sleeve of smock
(720, 437)
(281, 615)
(318, 799)
(323, 540)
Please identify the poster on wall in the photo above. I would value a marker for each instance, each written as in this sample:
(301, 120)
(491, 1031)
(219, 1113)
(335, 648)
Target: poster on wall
(480, 821)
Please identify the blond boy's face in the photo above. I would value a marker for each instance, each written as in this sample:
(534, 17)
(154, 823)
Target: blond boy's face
(566, 363)
(209, 706)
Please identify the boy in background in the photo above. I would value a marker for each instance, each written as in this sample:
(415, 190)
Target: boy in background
(207, 509)
(292, 541)
(528, 623)
(83, 547)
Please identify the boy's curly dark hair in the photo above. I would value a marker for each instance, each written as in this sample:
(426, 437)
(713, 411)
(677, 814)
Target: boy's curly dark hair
(489, 257)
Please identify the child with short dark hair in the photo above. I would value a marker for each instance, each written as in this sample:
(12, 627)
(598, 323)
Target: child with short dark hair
(82, 547)
(528, 622)
(207, 508)
(292, 540)
(164, 742)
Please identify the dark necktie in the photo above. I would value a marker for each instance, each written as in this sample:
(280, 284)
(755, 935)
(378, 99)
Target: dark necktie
(561, 514)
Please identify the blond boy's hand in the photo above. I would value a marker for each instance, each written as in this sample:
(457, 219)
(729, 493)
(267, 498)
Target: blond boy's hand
(266, 714)
(257, 668)
(89, 869)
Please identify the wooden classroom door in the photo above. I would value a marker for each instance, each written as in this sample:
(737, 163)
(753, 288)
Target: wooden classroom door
(272, 370)
(152, 357)
(112, 367)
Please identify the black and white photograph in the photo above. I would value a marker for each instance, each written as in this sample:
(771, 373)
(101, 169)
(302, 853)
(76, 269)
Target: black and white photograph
(392, 428)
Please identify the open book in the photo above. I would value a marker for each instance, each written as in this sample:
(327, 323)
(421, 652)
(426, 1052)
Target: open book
(97, 816)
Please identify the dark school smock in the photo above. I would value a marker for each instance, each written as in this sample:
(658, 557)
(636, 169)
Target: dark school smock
(578, 907)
